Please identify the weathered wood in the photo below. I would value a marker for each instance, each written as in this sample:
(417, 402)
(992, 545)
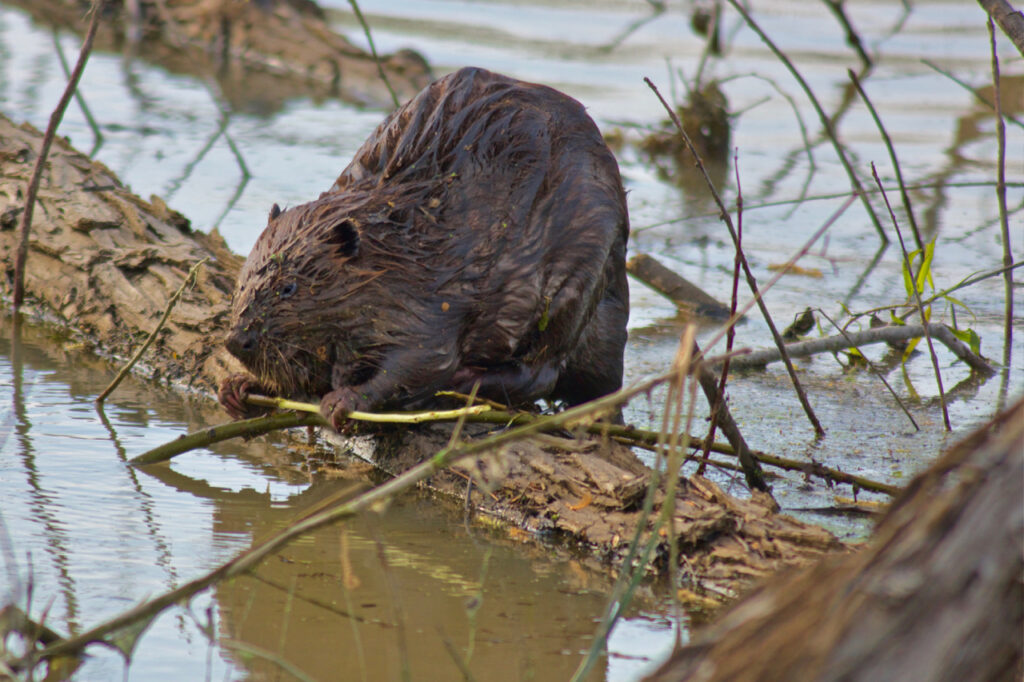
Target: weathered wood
(104, 263)
(688, 297)
(265, 50)
(936, 595)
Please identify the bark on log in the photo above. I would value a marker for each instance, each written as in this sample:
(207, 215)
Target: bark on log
(104, 263)
(265, 50)
(936, 595)
(1010, 20)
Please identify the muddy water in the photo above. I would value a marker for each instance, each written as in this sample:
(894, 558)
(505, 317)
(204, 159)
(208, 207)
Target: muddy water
(397, 589)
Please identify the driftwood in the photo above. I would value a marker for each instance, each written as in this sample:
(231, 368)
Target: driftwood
(104, 264)
(688, 297)
(936, 595)
(268, 50)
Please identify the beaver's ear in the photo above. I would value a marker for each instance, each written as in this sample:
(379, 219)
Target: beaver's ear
(345, 237)
(275, 211)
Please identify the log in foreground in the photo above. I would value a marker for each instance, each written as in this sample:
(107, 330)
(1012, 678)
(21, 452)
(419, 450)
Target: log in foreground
(936, 595)
(103, 263)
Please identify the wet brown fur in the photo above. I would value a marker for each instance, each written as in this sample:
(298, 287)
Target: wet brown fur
(479, 234)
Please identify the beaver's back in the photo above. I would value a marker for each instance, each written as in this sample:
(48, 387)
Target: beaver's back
(513, 186)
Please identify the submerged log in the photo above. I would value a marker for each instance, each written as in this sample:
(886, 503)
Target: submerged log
(261, 52)
(936, 595)
(103, 263)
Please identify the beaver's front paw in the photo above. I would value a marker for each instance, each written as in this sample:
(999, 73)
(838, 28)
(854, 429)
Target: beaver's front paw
(336, 405)
(233, 392)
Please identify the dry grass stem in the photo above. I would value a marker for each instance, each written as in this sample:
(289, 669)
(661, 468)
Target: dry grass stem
(189, 278)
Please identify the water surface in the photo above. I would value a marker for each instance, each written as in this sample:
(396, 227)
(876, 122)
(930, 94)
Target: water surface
(93, 536)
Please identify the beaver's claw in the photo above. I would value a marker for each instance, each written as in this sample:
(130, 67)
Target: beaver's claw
(233, 392)
(336, 405)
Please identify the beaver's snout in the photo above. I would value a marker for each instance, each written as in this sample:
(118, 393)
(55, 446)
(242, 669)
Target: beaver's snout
(242, 343)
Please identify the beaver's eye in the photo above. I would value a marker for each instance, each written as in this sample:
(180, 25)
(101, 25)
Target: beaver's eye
(288, 289)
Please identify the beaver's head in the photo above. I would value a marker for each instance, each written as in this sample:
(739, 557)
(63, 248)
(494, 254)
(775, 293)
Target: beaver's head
(293, 313)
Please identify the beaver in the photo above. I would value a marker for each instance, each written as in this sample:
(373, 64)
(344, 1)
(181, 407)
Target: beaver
(478, 237)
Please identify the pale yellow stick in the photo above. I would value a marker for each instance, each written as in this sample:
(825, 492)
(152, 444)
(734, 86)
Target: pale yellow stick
(385, 417)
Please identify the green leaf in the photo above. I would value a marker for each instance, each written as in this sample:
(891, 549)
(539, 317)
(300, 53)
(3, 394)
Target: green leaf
(911, 345)
(970, 337)
(925, 273)
(908, 265)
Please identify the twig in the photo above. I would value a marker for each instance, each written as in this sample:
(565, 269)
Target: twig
(675, 464)
(891, 334)
(687, 297)
(733, 302)
(827, 126)
(647, 439)
(152, 336)
(1001, 187)
(86, 112)
(874, 371)
(308, 414)
(44, 150)
(373, 51)
(247, 428)
(920, 305)
(751, 280)
(892, 155)
(852, 39)
(379, 417)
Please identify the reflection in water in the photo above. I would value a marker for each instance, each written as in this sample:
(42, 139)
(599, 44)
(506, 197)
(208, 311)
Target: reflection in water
(332, 604)
(145, 505)
(40, 500)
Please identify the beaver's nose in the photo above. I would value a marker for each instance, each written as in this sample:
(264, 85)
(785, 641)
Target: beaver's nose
(242, 343)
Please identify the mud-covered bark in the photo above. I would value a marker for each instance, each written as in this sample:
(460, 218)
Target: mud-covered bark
(103, 263)
(259, 51)
(936, 595)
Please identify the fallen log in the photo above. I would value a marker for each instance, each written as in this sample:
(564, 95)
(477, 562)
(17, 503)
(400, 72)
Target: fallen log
(104, 264)
(270, 50)
(936, 595)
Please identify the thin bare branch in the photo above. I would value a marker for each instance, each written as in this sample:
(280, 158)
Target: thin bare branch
(37, 173)
(891, 334)
(751, 282)
(1001, 196)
